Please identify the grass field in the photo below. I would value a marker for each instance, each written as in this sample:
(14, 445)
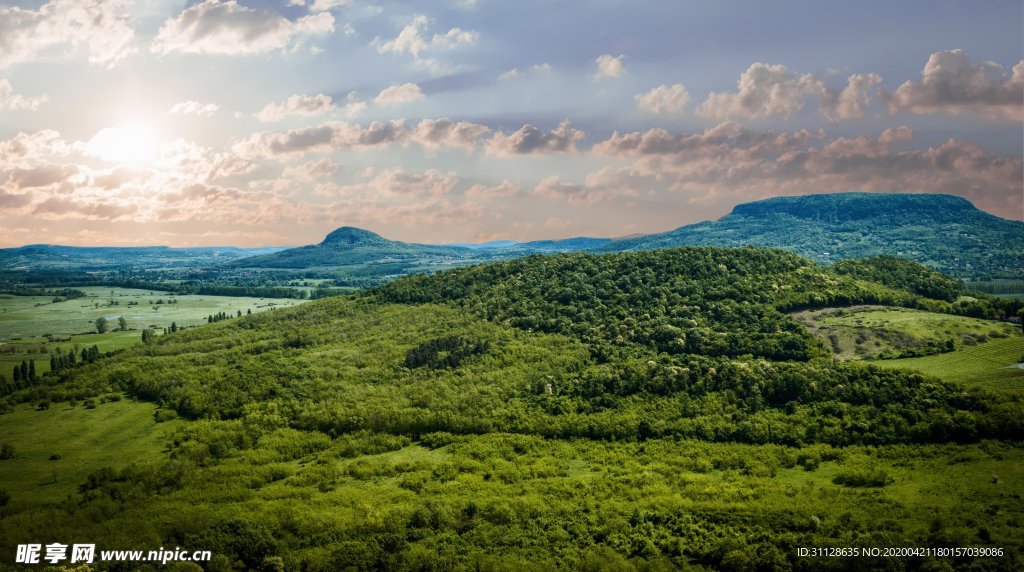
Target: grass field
(984, 365)
(71, 324)
(870, 332)
(113, 434)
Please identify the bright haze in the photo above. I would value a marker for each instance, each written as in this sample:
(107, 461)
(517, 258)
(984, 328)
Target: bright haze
(270, 123)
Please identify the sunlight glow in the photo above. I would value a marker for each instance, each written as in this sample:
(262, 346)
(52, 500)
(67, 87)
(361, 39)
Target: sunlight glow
(128, 144)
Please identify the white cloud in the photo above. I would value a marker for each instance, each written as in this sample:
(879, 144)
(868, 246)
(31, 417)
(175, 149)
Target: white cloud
(609, 66)
(437, 133)
(101, 26)
(664, 99)
(763, 91)
(951, 84)
(513, 73)
(531, 140)
(850, 102)
(431, 182)
(322, 5)
(728, 164)
(296, 106)
(413, 40)
(399, 94)
(504, 190)
(329, 137)
(312, 170)
(11, 100)
(226, 27)
(191, 107)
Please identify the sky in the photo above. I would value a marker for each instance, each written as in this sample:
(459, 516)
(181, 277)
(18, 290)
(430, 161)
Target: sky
(257, 123)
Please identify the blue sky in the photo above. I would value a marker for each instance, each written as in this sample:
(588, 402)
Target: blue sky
(271, 123)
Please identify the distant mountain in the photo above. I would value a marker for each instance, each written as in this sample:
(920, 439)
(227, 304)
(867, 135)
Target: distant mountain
(92, 258)
(355, 247)
(944, 232)
(363, 257)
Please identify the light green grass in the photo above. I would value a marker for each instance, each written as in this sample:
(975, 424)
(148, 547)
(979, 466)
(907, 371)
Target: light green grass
(24, 320)
(33, 316)
(113, 434)
(12, 353)
(984, 365)
(868, 332)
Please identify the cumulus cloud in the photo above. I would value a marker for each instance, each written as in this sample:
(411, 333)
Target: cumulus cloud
(591, 191)
(332, 136)
(227, 27)
(609, 66)
(40, 176)
(544, 69)
(445, 133)
(851, 101)
(763, 91)
(504, 190)
(296, 106)
(61, 208)
(413, 39)
(322, 5)
(399, 94)
(729, 164)
(102, 27)
(325, 138)
(951, 84)
(529, 139)
(11, 100)
(26, 149)
(191, 107)
(431, 182)
(312, 170)
(664, 99)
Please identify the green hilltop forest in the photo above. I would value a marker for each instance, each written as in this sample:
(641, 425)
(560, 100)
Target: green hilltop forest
(944, 232)
(643, 410)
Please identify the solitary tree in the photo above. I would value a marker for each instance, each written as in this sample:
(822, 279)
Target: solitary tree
(122, 324)
(174, 327)
(101, 325)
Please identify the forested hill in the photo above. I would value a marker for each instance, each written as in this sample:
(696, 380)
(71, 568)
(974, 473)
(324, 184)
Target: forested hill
(348, 246)
(699, 300)
(944, 232)
(658, 406)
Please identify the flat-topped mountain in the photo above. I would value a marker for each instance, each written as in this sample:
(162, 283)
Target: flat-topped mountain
(843, 207)
(944, 232)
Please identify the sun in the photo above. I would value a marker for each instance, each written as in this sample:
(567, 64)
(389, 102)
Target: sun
(125, 144)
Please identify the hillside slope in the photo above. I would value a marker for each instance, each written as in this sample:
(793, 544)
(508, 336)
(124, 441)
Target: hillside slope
(350, 246)
(652, 410)
(944, 232)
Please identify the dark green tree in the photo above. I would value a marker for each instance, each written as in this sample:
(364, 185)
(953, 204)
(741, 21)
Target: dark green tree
(122, 324)
(101, 325)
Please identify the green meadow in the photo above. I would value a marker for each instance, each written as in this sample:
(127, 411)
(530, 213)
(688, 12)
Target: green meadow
(987, 365)
(33, 327)
(55, 449)
(876, 332)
